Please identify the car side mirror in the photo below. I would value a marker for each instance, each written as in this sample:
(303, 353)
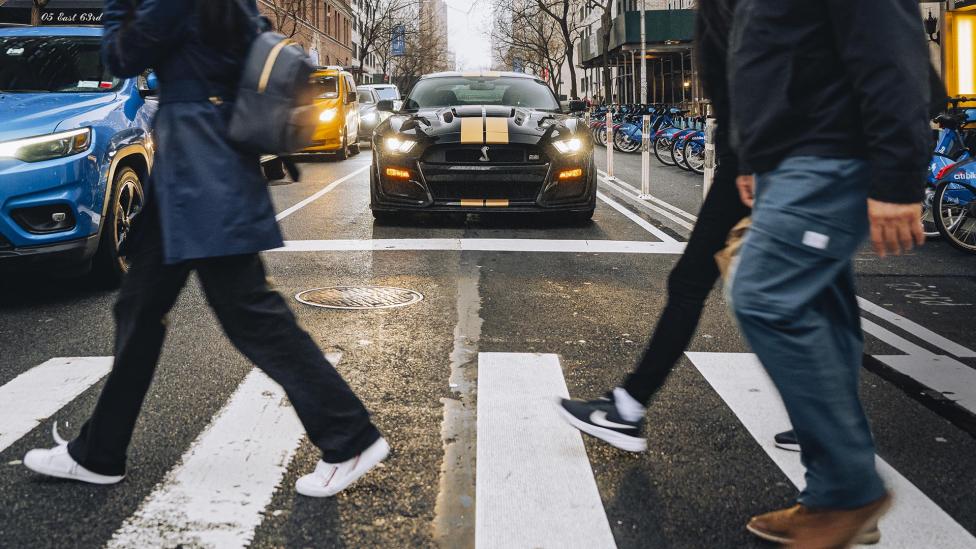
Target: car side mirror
(576, 105)
(385, 105)
(351, 97)
(151, 86)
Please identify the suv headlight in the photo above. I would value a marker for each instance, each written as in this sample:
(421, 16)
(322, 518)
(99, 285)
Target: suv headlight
(568, 146)
(47, 147)
(393, 144)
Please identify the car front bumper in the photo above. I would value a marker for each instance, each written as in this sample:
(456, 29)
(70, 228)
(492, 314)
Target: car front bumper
(73, 186)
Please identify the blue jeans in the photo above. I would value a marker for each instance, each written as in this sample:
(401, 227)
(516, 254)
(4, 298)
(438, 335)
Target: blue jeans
(793, 294)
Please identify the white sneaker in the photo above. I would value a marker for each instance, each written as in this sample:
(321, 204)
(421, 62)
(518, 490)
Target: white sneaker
(330, 479)
(57, 462)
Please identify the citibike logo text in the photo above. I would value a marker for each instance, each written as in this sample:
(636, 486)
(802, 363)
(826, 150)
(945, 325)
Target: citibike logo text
(965, 176)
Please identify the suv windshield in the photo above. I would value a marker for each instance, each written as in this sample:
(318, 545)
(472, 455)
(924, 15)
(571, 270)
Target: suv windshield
(326, 86)
(53, 64)
(389, 92)
(365, 96)
(451, 91)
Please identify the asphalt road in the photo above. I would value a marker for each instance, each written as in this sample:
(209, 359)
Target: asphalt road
(462, 383)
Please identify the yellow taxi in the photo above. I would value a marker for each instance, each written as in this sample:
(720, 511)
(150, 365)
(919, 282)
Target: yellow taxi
(338, 129)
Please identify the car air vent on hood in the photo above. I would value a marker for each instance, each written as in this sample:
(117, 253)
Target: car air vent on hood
(467, 111)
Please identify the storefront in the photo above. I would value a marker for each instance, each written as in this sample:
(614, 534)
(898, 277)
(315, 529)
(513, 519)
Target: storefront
(951, 29)
(52, 12)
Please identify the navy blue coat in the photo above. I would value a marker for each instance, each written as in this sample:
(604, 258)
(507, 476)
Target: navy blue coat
(212, 199)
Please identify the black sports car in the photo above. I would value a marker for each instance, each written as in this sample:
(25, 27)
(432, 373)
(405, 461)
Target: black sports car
(481, 142)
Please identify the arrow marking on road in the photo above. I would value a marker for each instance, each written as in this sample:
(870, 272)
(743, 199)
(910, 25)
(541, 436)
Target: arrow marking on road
(914, 521)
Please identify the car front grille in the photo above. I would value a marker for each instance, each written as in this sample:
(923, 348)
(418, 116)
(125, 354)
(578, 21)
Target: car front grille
(495, 154)
(513, 172)
(450, 182)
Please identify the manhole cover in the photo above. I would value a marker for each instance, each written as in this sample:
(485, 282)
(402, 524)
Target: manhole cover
(359, 297)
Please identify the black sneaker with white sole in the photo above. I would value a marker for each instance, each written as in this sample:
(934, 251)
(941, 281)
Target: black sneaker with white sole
(787, 441)
(599, 418)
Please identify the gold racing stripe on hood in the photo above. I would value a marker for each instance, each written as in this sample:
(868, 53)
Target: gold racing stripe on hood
(472, 202)
(472, 130)
(496, 130)
(496, 203)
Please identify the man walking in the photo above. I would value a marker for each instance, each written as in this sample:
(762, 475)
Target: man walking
(829, 105)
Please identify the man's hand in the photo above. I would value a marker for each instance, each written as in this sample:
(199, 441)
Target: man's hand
(895, 227)
(747, 189)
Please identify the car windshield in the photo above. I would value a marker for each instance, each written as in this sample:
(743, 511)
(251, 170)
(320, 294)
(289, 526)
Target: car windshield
(388, 93)
(326, 86)
(365, 96)
(53, 64)
(451, 91)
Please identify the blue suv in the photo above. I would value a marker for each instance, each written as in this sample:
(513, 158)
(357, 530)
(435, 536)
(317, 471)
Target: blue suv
(75, 149)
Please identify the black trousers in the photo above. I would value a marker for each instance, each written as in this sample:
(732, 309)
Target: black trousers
(689, 284)
(258, 322)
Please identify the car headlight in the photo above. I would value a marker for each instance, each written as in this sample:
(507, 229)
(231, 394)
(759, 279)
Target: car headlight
(328, 115)
(393, 144)
(568, 146)
(370, 117)
(47, 147)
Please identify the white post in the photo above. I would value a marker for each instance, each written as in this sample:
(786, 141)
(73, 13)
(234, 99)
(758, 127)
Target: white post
(646, 133)
(710, 159)
(610, 176)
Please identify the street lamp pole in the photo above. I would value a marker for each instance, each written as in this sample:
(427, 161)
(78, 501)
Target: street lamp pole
(646, 126)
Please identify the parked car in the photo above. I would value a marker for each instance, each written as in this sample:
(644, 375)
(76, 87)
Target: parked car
(386, 91)
(338, 130)
(75, 151)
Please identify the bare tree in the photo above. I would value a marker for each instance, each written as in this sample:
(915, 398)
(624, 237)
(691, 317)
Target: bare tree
(563, 13)
(524, 32)
(377, 21)
(425, 53)
(285, 15)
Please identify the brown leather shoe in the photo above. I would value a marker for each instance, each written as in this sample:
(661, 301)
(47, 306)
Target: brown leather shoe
(800, 527)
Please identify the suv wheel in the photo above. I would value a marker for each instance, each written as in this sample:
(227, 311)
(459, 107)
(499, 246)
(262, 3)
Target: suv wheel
(125, 202)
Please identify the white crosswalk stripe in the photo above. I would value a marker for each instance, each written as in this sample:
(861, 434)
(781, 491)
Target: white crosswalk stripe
(215, 496)
(40, 392)
(914, 521)
(535, 488)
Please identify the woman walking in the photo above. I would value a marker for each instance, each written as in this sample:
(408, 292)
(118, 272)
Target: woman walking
(207, 210)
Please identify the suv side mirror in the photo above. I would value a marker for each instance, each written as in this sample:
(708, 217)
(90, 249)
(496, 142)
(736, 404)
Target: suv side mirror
(385, 105)
(151, 85)
(576, 105)
(351, 97)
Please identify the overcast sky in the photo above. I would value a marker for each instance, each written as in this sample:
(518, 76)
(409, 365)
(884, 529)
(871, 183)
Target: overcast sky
(468, 23)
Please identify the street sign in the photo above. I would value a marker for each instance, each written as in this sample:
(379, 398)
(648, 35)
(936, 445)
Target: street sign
(398, 42)
(518, 65)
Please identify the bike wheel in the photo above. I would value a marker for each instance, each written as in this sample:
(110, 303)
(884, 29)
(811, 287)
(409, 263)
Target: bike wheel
(677, 154)
(662, 151)
(954, 212)
(694, 157)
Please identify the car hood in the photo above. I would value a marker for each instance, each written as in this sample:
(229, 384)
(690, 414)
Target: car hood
(30, 114)
(477, 124)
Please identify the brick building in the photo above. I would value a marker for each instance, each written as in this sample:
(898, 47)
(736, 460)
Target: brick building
(323, 27)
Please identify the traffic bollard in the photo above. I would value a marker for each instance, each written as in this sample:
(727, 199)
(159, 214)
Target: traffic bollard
(646, 158)
(711, 161)
(610, 176)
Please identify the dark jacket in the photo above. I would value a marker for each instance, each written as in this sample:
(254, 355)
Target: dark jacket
(712, 27)
(212, 200)
(833, 78)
